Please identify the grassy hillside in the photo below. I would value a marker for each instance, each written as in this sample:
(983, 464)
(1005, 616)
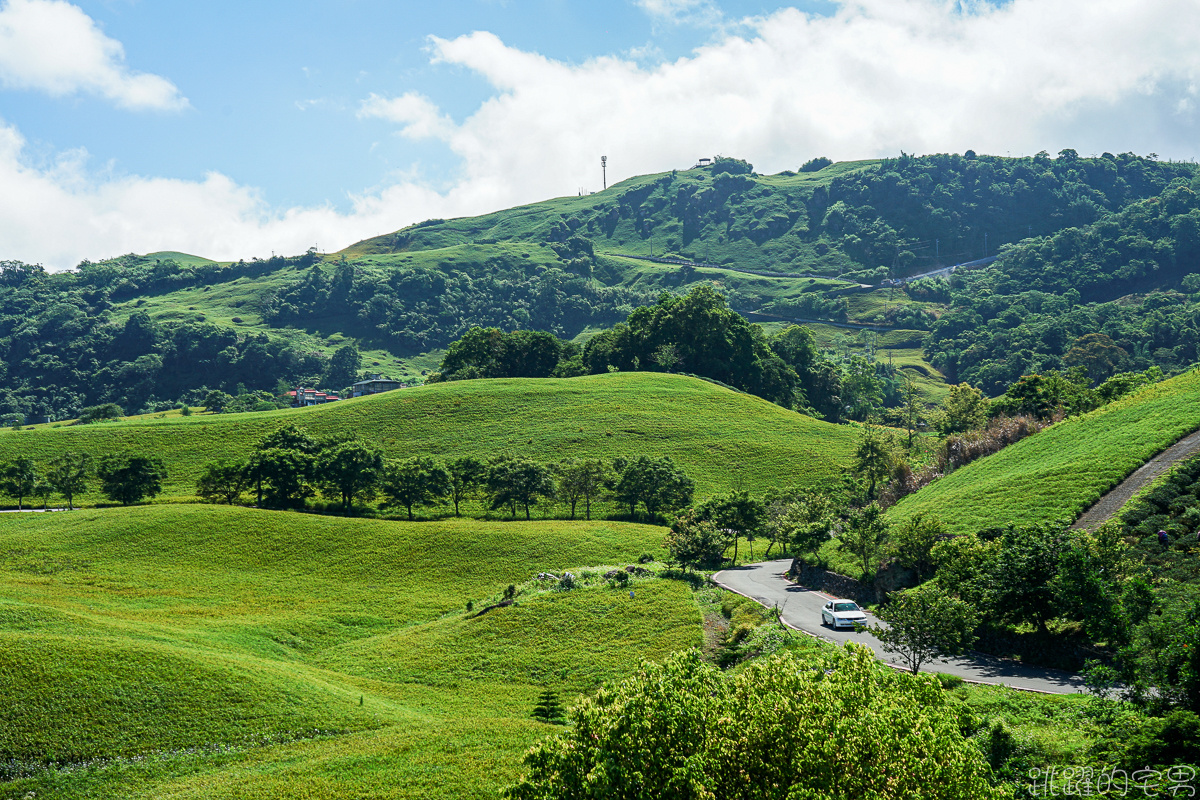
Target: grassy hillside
(200, 651)
(723, 439)
(1059, 472)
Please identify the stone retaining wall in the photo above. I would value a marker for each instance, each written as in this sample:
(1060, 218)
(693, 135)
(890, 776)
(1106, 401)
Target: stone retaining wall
(889, 580)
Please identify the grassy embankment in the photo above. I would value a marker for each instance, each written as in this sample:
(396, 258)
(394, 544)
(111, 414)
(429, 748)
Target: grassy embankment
(199, 651)
(1059, 472)
(723, 439)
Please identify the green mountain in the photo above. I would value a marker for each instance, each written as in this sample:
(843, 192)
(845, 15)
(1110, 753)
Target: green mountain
(147, 331)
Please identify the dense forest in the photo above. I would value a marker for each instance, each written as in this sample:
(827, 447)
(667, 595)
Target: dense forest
(411, 309)
(60, 350)
(1030, 311)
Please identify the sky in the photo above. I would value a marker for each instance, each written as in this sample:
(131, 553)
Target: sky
(241, 129)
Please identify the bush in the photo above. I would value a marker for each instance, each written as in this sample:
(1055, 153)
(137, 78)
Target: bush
(683, 729)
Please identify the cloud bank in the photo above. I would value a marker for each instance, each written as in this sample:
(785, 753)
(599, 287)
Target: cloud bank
(54, 47)
(875, 78)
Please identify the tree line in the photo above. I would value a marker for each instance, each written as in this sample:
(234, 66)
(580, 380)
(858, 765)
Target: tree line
(288, 466)
(694, 334)
(126, 477)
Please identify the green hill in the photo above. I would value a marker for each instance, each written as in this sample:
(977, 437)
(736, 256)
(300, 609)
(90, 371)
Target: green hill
(723, 439)
(1057, 473)
(224, 652)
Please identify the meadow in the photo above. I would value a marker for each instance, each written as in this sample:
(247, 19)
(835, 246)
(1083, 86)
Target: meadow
(1058, 473)
(723, 439)
(202, 651)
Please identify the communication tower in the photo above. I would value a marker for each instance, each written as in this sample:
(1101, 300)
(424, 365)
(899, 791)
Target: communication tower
(604, 170)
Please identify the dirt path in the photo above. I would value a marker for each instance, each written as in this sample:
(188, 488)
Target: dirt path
(1114, 501)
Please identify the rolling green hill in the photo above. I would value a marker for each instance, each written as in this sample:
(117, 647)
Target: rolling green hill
(1057, 473)
(200, 651)
(723, 439)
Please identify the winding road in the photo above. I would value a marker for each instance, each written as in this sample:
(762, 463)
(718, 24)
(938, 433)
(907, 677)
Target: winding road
(801, 609)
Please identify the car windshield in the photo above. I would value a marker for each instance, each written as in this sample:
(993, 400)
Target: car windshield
(845, 606)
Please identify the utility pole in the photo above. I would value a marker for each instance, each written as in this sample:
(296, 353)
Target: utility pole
(985, 250)
(604, 170)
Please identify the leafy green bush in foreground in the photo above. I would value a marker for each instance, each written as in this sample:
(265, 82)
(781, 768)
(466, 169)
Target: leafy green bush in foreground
(783, 727)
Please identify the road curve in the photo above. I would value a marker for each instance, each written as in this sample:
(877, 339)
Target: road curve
(801, 609)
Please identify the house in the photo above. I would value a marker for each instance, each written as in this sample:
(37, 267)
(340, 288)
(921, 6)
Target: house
(311, 397)
(376, 384)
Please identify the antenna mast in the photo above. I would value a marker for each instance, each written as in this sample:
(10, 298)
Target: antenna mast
(604, 170)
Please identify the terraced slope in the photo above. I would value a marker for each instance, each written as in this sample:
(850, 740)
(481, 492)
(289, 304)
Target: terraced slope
(1060, 472)
(722, 438)
(200, 651)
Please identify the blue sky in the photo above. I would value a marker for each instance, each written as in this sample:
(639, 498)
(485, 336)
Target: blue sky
(237, 129)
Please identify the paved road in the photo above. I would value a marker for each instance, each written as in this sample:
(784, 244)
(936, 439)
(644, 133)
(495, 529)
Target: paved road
(801, 609)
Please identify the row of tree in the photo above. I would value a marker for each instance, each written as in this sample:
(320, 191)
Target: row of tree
(288, 466)
(125, 477)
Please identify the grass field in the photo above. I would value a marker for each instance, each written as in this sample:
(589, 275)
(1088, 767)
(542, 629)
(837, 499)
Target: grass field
(199, 651)
(1059, 472)
(723, 439)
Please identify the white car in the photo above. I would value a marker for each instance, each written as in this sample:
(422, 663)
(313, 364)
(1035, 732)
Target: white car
(842, 614)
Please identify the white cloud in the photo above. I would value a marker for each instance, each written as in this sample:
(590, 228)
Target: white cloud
(877, 77)
(419, 116)
(694, 12)
(54, 47)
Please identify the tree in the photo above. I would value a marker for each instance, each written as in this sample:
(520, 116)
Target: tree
(803, 521)
(875, 457)
(913, 540)
(129, 477)
(656, 483)
(912, 408)
(18, 479)
(223, 481)
(695, 541)
(582, 479)
(216, 401)
(925, 623)
(1020, 577)
(348, 470)
(466, 476)
(281, 476)
(43, 490)
(549, 709)
(666, 356)
(68, 474)
(513, 482)
(735, 512)
(344, 365)
(864, 534)
(102, 413)
(416, 481)
(848, 729)
(964, 409)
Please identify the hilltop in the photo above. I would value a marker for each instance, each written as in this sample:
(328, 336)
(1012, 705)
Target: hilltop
(723, 439)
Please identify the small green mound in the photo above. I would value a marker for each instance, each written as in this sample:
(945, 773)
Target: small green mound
(571, 640)
(69, 700)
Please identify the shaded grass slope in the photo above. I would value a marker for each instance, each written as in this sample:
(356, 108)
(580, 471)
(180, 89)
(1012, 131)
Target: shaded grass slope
(1059, 472)
(722, 438)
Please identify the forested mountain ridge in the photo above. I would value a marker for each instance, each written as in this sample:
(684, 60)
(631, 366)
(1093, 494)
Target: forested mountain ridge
(143, 331)
(1030, 310)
